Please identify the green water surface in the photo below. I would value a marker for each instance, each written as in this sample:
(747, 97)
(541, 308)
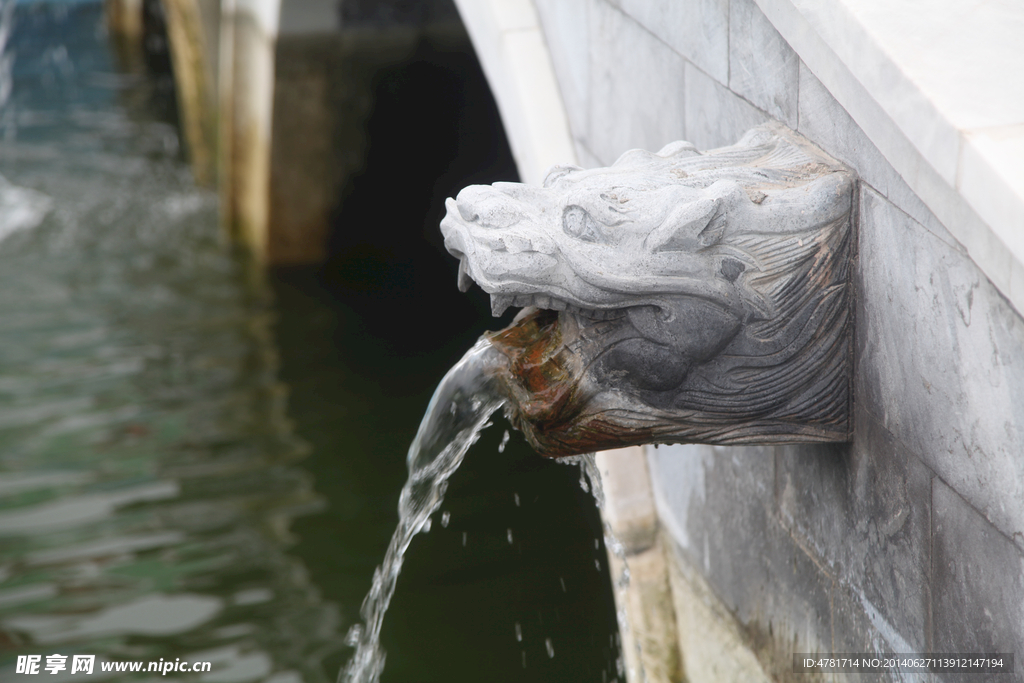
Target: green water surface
(196, 467)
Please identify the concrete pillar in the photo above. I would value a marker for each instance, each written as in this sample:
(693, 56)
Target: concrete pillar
(192, 30)
(124, 19)
(312, 102)
(248, 32)
(127, 30)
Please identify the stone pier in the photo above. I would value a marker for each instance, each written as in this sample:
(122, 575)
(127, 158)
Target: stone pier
(272, 101)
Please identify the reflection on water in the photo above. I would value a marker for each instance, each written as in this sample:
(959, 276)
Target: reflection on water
(147, 483)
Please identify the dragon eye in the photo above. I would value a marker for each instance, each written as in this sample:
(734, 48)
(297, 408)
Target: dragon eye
(576, 222)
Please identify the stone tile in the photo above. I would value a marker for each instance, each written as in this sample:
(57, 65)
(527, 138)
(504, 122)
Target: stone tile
(636, 87)
(991, 255)
(824, 121)
(762, 66)
(677, 478)
(938, 360)
(978, 580)
(696, 29)
(858, 627)
(864, 509)
(710, 497)
(566, 29)
(716, 116)
(717, 505)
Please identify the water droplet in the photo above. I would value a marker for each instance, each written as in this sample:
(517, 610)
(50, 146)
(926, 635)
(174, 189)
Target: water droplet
(510, 537)
(463, 539)
(504, 442)
(562, 581)
(519, 632)
(445, 518)
(516, 496)
(623, 581)
(452, 408)
(597, 546)
(612, 543)
(426, 525)
(588, 473)
(524, 659)
(549, 647)
(623, 619)
(597, 565)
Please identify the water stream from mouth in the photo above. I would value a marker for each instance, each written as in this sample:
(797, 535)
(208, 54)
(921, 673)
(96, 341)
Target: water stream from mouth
(458, 411)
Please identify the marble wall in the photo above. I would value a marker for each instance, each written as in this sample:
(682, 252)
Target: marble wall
(909, 539)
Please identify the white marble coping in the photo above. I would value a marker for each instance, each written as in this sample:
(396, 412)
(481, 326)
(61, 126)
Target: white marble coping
(937, 86)
(513, 53)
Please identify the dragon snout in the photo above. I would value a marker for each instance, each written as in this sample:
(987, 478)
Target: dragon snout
(482, 205)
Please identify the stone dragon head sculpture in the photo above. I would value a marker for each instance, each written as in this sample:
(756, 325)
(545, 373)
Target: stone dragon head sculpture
(675, 296)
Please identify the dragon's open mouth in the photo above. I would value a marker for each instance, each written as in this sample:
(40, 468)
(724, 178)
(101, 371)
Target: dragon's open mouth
(501, 302)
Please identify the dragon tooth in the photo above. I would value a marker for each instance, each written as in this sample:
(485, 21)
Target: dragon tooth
(542, 301)
(558, 305)
(465, 281)
(499, 302)
(522, 300)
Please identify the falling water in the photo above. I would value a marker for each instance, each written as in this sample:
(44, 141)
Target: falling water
(458, 411)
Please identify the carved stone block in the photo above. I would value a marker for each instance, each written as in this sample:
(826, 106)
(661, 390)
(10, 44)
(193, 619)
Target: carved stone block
(675, 297)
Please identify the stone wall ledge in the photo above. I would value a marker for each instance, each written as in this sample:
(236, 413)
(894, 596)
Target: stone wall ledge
(933, 86)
